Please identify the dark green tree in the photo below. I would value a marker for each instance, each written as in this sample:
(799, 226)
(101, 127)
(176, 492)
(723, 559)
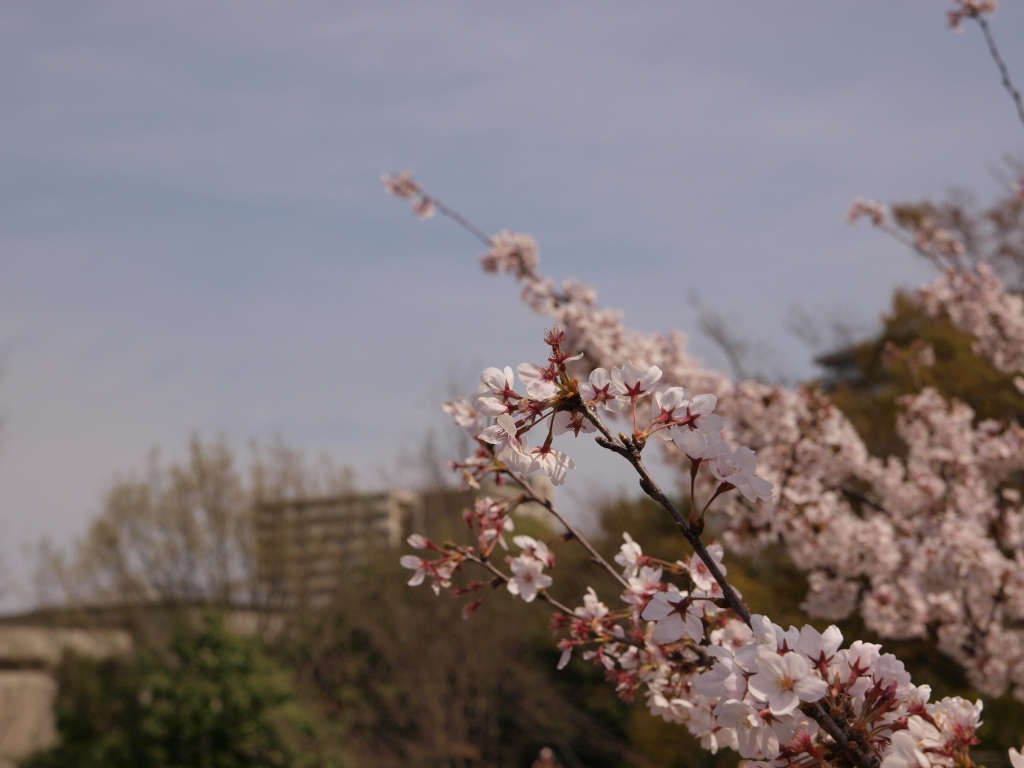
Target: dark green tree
(211, 699)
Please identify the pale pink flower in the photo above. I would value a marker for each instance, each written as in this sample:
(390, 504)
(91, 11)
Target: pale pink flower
(631, 382)
(538, 550)
(554, 463)
(697, 445)
(464, 414)
(508, 447)
(629, 554)
(676, 615)
(592, 609)
(528, 578)
(571, 421)
(643, 585)
(701, 410)
(819, 647)
(423, 207)
(540, 382)
(871, 209)
(754, 739)
(511, 252)
(417, 564)
(1016, 758)
(498, 382)
(737, 469)
(784, 681)
(495, 406)
(600, 391)
(698, 569)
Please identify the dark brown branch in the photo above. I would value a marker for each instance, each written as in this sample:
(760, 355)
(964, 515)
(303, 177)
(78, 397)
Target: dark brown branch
(1003, 69)
(630, 449)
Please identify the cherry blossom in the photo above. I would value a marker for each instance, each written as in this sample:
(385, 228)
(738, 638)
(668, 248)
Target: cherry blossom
(632, 382)
(527, 578)
(510, 448)
(554, 463)
(540, 382)
(783, 682)
(464, 415)
(736, 468)
(417, 564)
(571, 421)
(598, 389)
(676, 615)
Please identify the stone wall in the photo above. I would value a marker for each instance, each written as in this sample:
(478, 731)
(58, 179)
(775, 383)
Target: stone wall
(27, 687)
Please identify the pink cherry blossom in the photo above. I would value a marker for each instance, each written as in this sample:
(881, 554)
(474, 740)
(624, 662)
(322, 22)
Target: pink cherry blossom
(540, 382)
(528, 578)
(676, 615)
(737, 469)
(600, 391)
(632, 382)
(782, 682)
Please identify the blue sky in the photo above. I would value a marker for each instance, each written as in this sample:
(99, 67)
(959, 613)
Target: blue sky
(193, 234)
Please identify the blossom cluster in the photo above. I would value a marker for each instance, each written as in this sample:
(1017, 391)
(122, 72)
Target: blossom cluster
(909, 544)
(969, 9)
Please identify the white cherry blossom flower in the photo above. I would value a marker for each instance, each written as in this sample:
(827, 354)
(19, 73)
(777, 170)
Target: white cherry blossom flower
(540, 382)
(726, 678)
(401, 184)
(592, 609)
(496, 381)
(753, 738)
(415, 564)
(571, 421)
(509, 448)
(418, 541)
(696, 444)
(698, 570)
(538, 550)
(528, 578)
(495, 406)
(701, 409)
(784, 681)
(664, 403)
(819, 647)
(675, 615)
(1016, 758)
(554, 463)
(737, 469)
(600, 391)
(464, 414)
(643, 585)
(629, 554)
(631, 382)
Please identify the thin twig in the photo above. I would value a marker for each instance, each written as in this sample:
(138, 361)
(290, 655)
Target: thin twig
(594, 554)
(1003, 70)
(505, 580)
(459, 219)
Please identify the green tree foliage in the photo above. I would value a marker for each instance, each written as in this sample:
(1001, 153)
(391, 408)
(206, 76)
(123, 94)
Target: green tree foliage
(210, 700)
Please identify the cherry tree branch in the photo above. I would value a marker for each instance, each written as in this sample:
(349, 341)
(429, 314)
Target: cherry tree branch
(1003, 69)
(630, 449)
(594, 554)
(504, 579)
